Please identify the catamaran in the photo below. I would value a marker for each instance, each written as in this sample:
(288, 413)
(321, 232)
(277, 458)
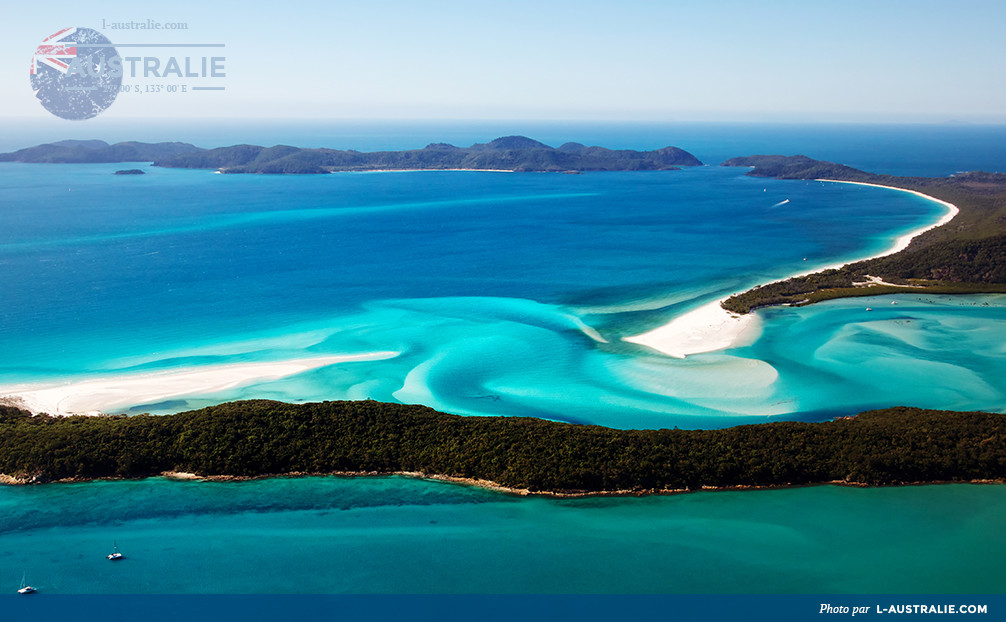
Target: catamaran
(115, 554)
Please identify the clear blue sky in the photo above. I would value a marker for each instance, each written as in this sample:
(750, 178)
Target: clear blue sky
(630, 59)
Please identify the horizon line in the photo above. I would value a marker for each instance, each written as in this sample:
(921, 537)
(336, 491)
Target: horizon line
(536, 120)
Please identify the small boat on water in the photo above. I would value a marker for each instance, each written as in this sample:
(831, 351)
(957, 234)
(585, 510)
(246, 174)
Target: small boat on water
(115, 554)
(25, 588)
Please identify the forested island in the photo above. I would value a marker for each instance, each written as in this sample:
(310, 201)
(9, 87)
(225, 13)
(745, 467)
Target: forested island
(264, 438)
(96, 152)
(509, 153)
(967, 256)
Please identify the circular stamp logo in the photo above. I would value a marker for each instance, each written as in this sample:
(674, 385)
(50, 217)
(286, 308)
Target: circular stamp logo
(76, 73)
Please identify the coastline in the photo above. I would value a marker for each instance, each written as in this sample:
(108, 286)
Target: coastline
(425, 170)
(705, 329)
(565, 494)
(902, 242)
(221, 171)
(710, 327)
(554, 494)
(256, 439)
(96, 396)
(484, 484)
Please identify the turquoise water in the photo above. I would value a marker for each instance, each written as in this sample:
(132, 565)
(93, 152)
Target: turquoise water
(336, 535)
(872, 352)
(503, 294)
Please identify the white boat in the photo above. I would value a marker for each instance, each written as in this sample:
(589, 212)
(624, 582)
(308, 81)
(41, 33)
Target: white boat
(115, 554)
(25, 588)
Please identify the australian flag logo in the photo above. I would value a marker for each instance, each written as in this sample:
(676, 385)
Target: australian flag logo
(55, 53)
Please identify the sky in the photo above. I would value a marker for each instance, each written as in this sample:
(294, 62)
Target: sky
(640, 60)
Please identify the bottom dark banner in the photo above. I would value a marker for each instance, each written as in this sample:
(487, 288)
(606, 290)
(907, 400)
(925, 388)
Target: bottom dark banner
(502, 608)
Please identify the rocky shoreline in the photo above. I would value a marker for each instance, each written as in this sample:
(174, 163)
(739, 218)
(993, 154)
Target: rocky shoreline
(8, 480)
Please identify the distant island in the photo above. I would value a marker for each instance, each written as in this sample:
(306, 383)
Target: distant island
(131, 171)
(534, 456)
(966, 256)
(518, 454)
(96, 152)
(509, 153)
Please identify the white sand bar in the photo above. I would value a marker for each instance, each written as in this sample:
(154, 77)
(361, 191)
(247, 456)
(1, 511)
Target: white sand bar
(711, 327)
(706, 329)
(97, 395)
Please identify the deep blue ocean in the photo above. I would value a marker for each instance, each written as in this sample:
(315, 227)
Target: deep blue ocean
(500, 293)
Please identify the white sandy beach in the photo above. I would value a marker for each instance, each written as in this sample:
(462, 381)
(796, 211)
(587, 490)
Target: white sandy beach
(105, 394)
(706, 329)
(711, 327)
(902, 243)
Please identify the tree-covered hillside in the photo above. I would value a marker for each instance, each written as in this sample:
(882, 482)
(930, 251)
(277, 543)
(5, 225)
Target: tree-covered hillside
(968, 255)
(264, 437)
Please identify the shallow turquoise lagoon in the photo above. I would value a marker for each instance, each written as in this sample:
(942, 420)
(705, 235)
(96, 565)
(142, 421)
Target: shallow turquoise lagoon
(501, 293)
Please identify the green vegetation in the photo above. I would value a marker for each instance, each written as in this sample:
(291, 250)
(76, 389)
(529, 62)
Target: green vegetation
(968, 255)
(96, 151)
(262, 437)
(797, 167)
(831, 284)
(517, 153)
